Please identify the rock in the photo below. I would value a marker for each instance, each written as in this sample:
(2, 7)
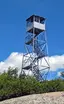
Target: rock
(46, 98)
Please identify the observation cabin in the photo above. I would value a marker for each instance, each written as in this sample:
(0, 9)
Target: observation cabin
(35, 24)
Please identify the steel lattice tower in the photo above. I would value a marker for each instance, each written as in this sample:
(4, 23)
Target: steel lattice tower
(36, 57)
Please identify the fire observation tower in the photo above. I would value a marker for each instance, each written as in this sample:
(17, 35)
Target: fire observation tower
(36, 58)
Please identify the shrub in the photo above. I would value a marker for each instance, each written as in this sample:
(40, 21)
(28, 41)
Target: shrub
(13, 86)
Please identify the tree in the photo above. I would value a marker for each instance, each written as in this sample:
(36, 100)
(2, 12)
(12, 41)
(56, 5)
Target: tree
(62, 74)
(12, 72)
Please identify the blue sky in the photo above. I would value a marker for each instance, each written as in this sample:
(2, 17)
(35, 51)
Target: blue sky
(13, 14)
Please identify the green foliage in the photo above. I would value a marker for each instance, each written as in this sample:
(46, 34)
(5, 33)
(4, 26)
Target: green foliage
(12, 85)
(12, 72)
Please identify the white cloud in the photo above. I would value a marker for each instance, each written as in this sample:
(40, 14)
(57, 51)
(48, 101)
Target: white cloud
(56, 62)
(15, 60)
